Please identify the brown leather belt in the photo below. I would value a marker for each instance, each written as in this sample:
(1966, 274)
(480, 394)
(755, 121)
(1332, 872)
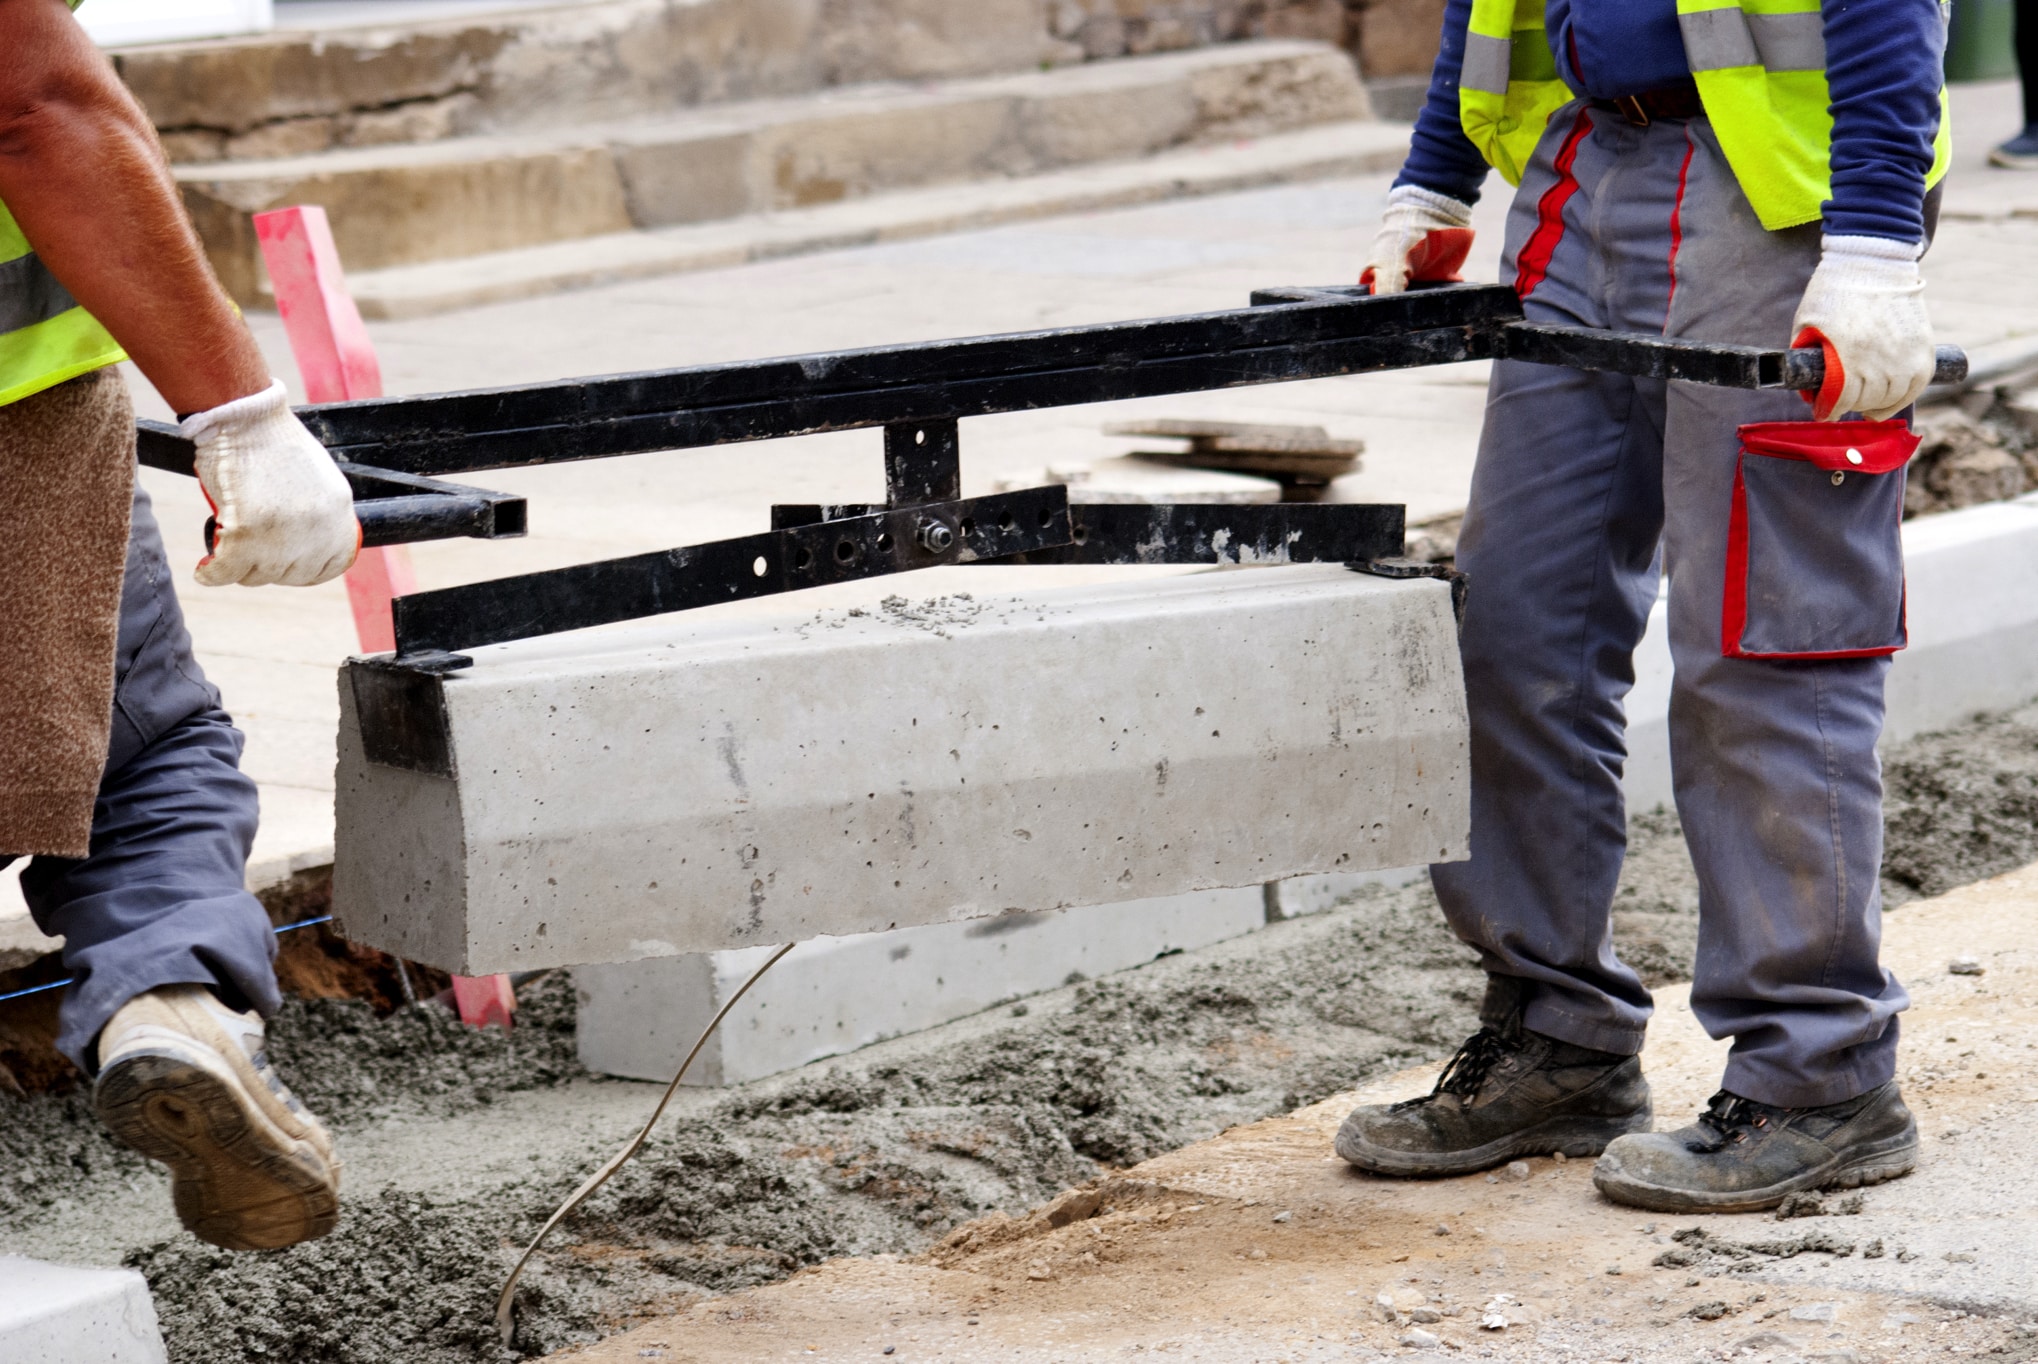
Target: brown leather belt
(1666, 102)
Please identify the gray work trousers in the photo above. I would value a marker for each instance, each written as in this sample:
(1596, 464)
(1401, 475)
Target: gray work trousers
(1581, 477)
(161, 898)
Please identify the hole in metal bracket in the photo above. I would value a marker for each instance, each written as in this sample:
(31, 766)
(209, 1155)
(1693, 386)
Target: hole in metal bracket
(804, 559)
(1046, 518)
(845, 550)
(969, 525)
(758, 567)
(1005, 521)
(884, 542)
(919, 438)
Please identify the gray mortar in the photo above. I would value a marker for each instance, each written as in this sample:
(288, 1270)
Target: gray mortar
(460, 1142)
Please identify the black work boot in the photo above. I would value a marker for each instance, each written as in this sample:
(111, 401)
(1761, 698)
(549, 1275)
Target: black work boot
(1508, 1092)
(1741, 1156)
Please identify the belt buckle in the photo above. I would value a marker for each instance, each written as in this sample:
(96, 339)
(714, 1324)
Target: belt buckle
(1631, 109)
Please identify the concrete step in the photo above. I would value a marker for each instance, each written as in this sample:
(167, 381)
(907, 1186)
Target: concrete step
(705, 783)
(413, 202)
(1352, 148)
(61, 1314)
(367, 74)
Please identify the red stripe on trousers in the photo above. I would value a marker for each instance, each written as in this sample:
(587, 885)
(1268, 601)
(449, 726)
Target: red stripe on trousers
(1677, 223)
(1534, 261)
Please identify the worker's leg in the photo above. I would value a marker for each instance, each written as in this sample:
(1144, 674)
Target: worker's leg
(162, 897)
(1559, 545)
(171, 953)
(1777, 780)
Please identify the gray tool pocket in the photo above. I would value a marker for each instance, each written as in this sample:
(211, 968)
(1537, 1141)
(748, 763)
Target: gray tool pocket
(1815, 565)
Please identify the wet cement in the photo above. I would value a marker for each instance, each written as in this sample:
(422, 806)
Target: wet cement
(460, 1142)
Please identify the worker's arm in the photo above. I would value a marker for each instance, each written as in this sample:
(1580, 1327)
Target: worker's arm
(1885, 64)
(1427, 228)
(84, 176)
(85, 179)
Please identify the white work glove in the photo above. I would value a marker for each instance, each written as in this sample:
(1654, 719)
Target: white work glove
(1866, 303)
(285, 512)
(1407, 245)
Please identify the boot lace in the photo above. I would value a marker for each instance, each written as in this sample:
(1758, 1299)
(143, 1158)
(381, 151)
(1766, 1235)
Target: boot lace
(1729, 1118)
(1468, 1068)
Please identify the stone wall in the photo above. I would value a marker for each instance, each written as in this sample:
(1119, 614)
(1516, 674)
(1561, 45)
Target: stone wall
(1389, 37)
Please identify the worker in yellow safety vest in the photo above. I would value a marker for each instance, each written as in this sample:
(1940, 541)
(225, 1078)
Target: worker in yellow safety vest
(1759, 172)
(119, 770)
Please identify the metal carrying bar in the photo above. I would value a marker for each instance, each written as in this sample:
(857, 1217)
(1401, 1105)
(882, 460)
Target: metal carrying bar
(392, 449)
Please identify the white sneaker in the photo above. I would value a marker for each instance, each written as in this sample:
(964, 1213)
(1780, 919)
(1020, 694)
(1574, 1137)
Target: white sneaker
(184, 1080)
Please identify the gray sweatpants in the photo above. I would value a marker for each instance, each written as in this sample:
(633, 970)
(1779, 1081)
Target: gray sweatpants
(1581, 479)
(161, 899)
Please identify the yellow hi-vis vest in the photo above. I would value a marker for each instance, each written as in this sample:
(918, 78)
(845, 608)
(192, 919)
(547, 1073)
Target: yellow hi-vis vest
(1760, 66)
(45, 337)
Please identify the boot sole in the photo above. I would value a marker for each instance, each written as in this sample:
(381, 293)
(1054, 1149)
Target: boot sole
(238, 1181)
(1891, 1158)
(1575, 1137)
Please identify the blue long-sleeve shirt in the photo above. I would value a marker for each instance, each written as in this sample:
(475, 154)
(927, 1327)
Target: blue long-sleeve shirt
(1885, 62)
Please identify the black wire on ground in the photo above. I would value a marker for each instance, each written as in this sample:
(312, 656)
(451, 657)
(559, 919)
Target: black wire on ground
(505, 1320)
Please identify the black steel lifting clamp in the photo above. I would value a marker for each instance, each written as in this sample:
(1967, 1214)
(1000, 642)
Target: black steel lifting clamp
(395, 450)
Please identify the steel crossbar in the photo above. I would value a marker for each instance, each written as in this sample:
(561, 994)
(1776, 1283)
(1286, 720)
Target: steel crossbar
(396, 450)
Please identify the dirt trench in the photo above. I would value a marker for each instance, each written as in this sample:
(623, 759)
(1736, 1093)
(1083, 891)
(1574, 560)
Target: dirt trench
(883, 1152)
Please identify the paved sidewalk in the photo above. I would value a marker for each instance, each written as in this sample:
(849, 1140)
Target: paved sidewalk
(273, 652)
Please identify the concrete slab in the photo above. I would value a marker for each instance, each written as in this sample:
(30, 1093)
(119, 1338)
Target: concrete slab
(832, 995)
(699, 785)
(58, 1314)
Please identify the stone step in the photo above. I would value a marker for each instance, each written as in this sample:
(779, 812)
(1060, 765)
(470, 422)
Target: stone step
(62, 1314)
(413, 202)
(704, 783)
(1313, 154)
(338, 75)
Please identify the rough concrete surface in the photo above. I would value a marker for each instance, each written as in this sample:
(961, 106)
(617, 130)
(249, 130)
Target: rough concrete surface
(1259, 1245)
(457, 1143)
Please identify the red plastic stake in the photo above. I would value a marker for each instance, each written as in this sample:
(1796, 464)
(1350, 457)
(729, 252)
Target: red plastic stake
(337, 361)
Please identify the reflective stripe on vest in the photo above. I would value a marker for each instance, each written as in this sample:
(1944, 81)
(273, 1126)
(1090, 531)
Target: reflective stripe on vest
(1760, 67)
(45, 337)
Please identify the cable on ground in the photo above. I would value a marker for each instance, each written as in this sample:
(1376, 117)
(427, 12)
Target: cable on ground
(505, 1320)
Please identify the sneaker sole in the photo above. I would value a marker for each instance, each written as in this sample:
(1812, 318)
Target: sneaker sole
(237, 1181)
(2003, 160)
(1575, 1137)
(1890, 1159)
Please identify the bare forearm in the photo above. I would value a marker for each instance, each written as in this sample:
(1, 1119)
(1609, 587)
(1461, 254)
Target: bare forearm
(84, 177)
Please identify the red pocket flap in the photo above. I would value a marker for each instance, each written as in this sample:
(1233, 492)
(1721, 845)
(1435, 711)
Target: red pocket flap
(1864, 447)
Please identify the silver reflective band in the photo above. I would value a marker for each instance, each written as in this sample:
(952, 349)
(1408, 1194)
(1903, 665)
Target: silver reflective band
(1790, 42)
(29, 294)
(1722, 39)
(1486, 64)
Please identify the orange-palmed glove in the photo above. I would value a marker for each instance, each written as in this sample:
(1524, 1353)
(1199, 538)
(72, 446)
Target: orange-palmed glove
(1424, 236)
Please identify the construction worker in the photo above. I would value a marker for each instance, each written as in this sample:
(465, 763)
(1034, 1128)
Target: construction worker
(1756, 173)
(119, 770)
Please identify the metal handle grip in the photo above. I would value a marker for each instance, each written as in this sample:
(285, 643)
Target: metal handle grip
(407, 520)
(1804, 368)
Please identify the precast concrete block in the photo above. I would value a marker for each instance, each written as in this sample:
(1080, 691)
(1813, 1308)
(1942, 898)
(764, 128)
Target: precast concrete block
(707, 782)
(61, 1314)
(833, 995)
